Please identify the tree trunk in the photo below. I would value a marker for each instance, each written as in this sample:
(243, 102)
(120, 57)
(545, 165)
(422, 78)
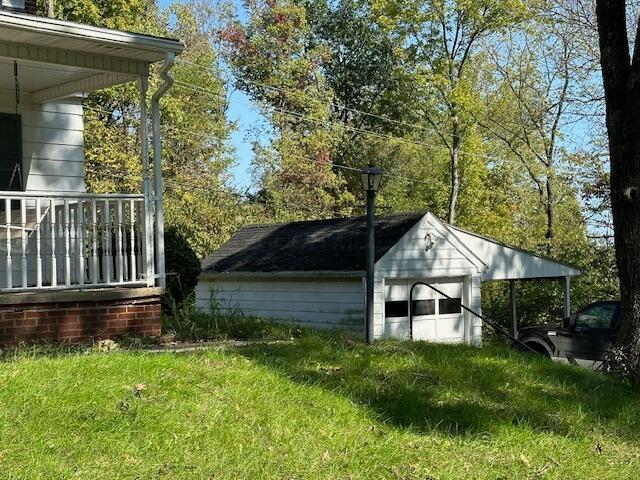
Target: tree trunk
(550, 209)
(455, 172)
(50, 9)
(621, 79)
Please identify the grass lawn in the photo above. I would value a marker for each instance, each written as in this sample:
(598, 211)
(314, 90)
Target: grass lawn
(317, 408)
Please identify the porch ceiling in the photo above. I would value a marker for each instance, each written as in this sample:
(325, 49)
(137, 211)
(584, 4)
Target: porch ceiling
(34, 77)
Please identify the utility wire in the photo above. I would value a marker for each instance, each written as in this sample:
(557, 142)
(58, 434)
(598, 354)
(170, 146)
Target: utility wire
(302, 116)
(208, 189)
(198, 89)
(298, 157)
(308, 95)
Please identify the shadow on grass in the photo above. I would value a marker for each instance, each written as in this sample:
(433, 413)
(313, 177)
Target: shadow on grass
(459, 390)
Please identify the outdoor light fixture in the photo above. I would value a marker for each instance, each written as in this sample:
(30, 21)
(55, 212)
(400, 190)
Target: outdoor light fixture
(429, 241)
(371, 177)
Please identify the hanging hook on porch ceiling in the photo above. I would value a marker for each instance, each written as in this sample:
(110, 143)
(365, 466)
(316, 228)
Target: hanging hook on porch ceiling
(16, 84)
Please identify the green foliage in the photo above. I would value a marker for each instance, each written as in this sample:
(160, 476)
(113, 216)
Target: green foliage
(196, 155)
(182, 265)
(320, 407)
(130, 15)
(276, 62)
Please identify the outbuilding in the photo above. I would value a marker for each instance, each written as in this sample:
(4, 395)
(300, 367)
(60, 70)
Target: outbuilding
(313, 273)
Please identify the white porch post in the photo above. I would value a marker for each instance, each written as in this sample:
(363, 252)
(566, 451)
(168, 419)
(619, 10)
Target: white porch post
(157, 164)
(468, 317)
(147, 244)
(567, 296)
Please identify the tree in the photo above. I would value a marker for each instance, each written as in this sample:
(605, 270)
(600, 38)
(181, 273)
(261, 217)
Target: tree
(529, 110)
(277, 64)
(621, 80)
(440, 39)
(196, 156)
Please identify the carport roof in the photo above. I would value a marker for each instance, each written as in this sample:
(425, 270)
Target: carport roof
(337, 245)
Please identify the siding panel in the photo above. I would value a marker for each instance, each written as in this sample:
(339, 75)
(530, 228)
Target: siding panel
(319, 304)
(52, 144)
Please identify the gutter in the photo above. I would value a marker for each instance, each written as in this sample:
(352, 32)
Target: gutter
(167, 79)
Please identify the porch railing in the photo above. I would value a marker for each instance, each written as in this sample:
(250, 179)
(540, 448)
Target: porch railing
(55, 241)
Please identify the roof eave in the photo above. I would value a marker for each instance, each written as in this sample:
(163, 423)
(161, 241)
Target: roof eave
(285, 274)
(73, 30)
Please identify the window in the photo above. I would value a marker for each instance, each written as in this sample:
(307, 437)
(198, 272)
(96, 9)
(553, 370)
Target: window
(13, 4)
(450, 306)
(10, 153)
(423, 307)
(596, 317)
(396, 309)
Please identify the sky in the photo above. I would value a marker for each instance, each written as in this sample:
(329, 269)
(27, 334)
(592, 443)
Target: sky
(246, 116)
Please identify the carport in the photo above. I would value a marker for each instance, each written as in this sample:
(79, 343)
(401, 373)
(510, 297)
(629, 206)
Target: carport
(508, 263)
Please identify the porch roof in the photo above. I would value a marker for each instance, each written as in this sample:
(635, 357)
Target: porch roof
(57, 58)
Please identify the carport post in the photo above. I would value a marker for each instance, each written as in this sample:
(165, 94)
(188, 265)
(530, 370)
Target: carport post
(514, 312)
(567, 296)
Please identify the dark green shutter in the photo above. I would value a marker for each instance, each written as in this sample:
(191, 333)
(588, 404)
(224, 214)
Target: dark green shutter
(10, 152)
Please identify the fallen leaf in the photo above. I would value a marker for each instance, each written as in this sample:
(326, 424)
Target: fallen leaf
(525, 460)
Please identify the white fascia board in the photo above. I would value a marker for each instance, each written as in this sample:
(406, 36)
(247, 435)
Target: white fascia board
(478, 266)
(88, 61)
(88, 84)
(79, 31)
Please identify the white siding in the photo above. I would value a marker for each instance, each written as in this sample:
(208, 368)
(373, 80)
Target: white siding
(52, 143)
(505, 263)
(409, 258)
(325, 303)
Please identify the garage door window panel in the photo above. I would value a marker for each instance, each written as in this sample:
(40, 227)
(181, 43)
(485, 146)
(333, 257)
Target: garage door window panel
(396, 309)
(423, 307)
(449, 306)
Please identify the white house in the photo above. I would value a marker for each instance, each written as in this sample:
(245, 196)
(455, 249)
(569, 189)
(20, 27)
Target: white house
(74, 264)
(312, 273)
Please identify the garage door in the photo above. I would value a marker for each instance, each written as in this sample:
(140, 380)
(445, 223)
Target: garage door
(435, 317)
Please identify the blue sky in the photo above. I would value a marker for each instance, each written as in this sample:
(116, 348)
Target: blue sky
(245, 116)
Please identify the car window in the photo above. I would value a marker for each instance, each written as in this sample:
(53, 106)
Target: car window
(596, 317)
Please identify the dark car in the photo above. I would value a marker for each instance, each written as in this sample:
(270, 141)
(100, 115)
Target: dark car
(583, 336)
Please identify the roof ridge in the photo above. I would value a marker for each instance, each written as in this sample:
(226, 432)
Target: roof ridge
(318, 220)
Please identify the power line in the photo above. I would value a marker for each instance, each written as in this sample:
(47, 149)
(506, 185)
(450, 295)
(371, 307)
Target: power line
(207, 189)
(378, 135)
(301, 116)
(298, 157)
(334, 105)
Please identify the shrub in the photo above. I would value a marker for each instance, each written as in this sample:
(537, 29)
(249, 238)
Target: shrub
(182, 265)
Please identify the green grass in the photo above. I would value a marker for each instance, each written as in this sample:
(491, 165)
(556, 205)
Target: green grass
(317, 408)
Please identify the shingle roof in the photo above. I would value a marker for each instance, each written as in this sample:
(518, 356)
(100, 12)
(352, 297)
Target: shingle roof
(321, 245)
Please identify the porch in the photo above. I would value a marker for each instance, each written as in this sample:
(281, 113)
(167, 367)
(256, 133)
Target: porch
(53, 235)
(74, 264)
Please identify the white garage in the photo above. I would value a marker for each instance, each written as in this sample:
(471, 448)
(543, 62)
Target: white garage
(313, 273)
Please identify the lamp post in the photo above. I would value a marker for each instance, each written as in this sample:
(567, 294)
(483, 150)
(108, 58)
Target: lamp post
(371, 177)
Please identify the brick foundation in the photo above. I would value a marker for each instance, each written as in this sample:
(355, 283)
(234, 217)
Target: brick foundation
(103, 315)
